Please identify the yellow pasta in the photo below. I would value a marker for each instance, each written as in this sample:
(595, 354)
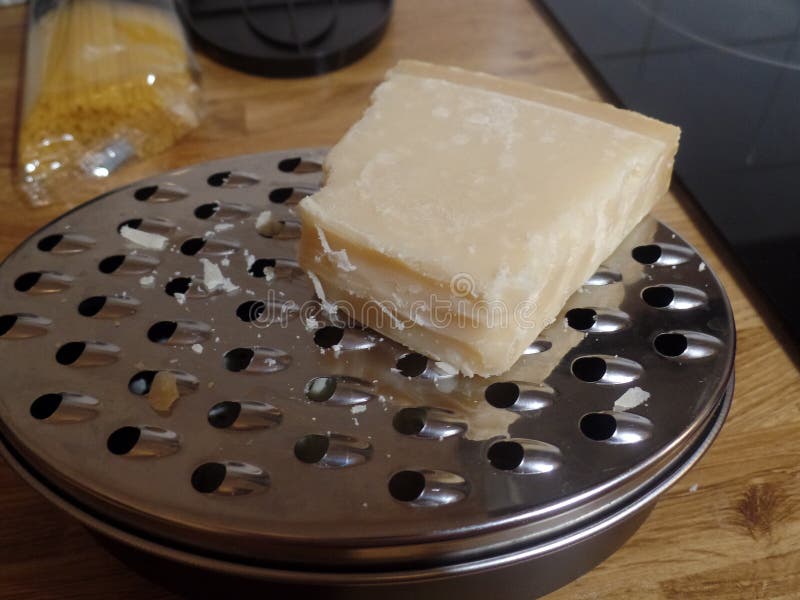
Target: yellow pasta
(100, 71)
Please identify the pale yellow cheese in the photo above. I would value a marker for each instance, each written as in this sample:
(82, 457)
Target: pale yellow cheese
(462, 210)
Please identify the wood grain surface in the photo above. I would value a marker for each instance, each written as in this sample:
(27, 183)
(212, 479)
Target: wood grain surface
(730, 529)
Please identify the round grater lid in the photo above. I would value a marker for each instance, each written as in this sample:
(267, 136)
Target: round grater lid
(286, 38)
(239, 421)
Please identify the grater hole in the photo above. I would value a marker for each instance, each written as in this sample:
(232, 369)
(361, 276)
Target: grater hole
(206, 211)
(145, 193)
(65, 243)
(671, 344)
(22, 326)
(589, 368)
(91, 306)
(251, 310)
(162, 331)
(208, 245)
(658, 296)
(133, 264)
(6, 323)
(70, 352)
(256, 360)
(111, 263)
(581, 318)
(123, 440)
(178, 285)
(232, 179)
(503, 394)
(132, 223)
(288, 165)
(218, 179)
(412, 364)
(280, 195)
(598, 426)
(407, 486)
(207, 478)
(42, 282)
(44, 406)
(409, 421)
(604, 276)
(647, 255)
(224, 414)
(87, 354)
(26, 281)
(140, 383)
(238, 359)
(311, 448)
(258, 267)
(46, 244)
(321, 389)
(192, 246)
(506, 455)
(328, 336)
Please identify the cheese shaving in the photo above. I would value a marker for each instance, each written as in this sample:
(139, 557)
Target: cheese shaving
(631, 399)
(339, 258)
(152, 241)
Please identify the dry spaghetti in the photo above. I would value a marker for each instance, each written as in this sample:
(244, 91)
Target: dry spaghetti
(102, 74)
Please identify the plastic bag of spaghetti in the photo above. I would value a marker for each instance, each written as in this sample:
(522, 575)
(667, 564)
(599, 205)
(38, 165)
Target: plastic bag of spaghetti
(105, 81)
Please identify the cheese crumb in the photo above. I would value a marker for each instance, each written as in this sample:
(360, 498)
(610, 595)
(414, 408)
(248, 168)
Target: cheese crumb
(631, 399)
(311, 323)
(163, 392)
(147, 281)
(214, 279)
(693, 488)
(249, 259)
(328, 307)
(360, 408)
(197, 348)
(223, 226)
(701, 267)
(143, 238)
(266, 225)
(181, 298)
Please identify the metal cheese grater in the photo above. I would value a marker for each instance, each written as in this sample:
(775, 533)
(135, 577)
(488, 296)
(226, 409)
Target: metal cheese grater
(238, 430)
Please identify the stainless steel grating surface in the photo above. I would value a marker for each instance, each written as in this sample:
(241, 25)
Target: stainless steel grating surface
(296, 440)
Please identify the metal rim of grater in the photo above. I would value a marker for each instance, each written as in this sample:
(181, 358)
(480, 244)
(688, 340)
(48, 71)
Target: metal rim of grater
(382, 469)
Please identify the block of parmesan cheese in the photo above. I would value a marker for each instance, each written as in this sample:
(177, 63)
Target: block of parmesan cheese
(462, 210)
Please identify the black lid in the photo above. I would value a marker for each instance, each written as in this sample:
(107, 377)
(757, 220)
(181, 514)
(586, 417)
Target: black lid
(286, 38)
